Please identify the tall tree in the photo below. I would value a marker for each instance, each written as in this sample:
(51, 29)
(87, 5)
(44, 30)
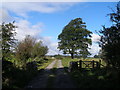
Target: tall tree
(8, 41)
(110, 40)
(74, 38)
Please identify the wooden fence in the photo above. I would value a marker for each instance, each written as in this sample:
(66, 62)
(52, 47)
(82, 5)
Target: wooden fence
(85, 64)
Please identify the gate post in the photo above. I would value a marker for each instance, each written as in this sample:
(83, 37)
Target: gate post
(97, 65)
(80, 64)
(93, 64)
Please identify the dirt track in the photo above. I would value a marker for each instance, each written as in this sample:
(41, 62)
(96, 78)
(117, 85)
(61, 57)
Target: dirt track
(61, 78)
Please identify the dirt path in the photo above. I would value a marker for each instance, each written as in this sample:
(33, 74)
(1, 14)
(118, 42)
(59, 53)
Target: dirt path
(61, 78)
(50, 66)
(41, 80)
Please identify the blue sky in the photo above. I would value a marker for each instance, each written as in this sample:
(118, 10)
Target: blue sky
(94, 14)
(46, 20)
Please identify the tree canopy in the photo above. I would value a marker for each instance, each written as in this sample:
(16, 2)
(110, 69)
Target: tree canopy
(75, 38)
(110, 40)
(30, 48)
(8, 40)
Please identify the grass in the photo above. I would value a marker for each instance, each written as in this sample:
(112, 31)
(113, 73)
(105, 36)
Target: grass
(66, 61)
(99, 78)
(93, 78)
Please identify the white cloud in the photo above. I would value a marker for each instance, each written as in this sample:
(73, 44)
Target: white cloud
(95, 46)
(53, 49)
(95, 38)
(5, 16)
(94, 49)
(21, 9)
(25, 28)
(51, 45)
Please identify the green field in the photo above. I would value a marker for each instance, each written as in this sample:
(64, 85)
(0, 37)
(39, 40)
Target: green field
(66, 61)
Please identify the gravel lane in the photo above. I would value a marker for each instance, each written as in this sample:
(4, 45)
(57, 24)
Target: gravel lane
(40, 81)
(50, 66)
(62, 78)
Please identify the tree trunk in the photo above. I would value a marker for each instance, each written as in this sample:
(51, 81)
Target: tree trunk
(72, 55)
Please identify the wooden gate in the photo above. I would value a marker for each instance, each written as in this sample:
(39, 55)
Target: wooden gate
(84, 64)
(88, 64)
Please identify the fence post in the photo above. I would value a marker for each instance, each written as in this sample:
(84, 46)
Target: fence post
(80, 64)
(93, 64)
(99, 63)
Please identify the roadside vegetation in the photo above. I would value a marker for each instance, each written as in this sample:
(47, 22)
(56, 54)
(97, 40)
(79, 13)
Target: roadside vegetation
(21, 60)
